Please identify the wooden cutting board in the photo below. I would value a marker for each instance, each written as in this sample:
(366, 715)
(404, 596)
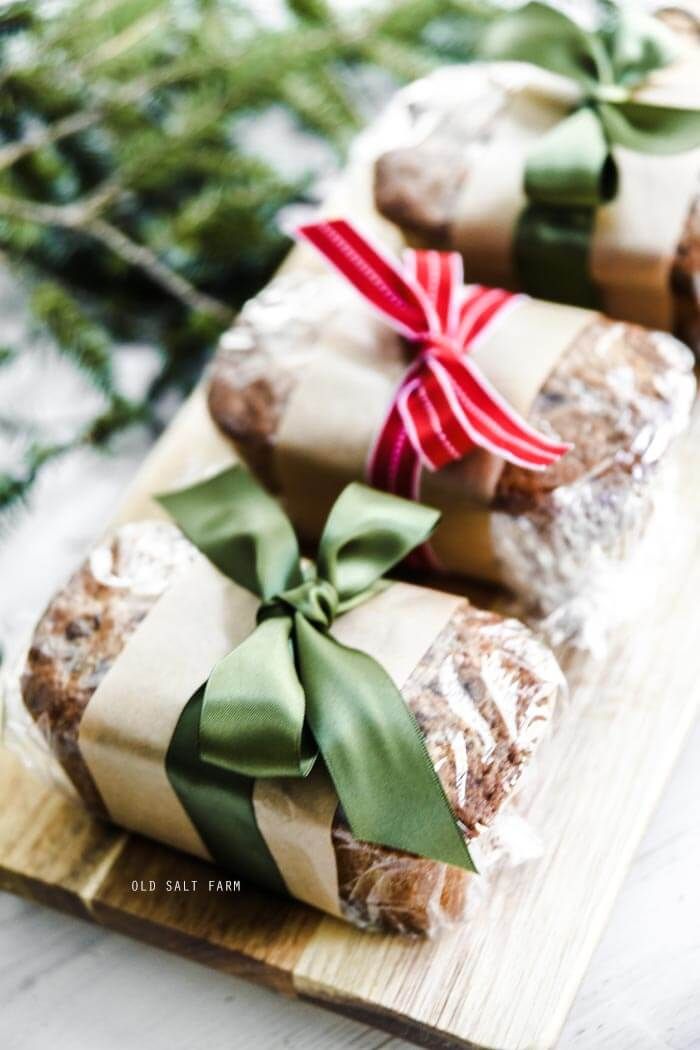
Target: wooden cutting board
(505, 979)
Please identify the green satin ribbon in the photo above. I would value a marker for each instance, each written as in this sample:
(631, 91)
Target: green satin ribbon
(290, 695)
(571, 171)
(219, 804)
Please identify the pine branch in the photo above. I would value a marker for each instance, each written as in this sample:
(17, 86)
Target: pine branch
(125, 196)
(319, 104)
(40, 138)
(82, 216)
(74, 333)
(405, 61)
(147, 261)
(129, 38)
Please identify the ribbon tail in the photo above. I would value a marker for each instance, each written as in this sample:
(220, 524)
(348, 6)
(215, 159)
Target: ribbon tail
(375, 753)
(494, 418)
(252, 714)
(393, 464)
(436, 433)
(220, 805)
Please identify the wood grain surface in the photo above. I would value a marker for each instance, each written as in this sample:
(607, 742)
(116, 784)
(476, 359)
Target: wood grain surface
(505, 979)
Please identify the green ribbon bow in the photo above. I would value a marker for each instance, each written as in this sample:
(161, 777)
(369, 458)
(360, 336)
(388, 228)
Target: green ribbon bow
(290, 693)
(571, 171)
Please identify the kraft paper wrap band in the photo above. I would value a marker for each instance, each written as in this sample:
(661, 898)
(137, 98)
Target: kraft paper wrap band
(337, 407)
(635, 237)
(295, 818)
(130, 720)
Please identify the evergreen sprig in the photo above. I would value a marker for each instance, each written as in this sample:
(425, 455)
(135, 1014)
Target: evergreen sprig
(126, 198)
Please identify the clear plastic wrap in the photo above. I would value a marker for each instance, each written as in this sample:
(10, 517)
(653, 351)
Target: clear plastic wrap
(484, 695)
(561, 537)
(425, 150)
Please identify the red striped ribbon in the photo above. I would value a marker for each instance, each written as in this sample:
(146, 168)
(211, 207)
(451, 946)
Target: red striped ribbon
(444, 406)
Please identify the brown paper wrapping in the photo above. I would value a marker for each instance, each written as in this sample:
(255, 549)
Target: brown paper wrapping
(295, 817)
(635, 238)
(334, 413)
(129, 722)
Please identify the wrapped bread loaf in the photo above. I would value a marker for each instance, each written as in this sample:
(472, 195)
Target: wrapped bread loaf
(449, 159)
(483, 695)
(617, 392)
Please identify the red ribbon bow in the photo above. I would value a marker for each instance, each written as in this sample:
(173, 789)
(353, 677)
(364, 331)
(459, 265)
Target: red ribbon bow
(444, 406)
